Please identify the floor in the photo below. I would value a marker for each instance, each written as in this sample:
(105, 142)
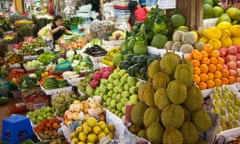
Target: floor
(4, 112)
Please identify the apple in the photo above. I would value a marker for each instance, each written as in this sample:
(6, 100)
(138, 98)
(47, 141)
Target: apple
(106, 74)
(238, 64)
(94, 83)
(232, 50)
(238, 48)
(230, 58)
(225, 66)
(223, 52)
(238, 72)
(232, 72)
(97, 75)
(232, 65)
(238, 56)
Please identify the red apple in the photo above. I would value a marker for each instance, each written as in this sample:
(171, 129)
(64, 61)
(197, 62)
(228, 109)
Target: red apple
(237, 79)
(232, 65)
(238, 72)
(225, 66)
(238, 64)
(230, 57)
(97, 76)
(223, 52)
(238, 56)
(232, 50)
(232, 72)
(238, 48)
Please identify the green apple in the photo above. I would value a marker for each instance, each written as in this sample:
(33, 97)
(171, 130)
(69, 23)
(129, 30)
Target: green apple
(110, 93)
(115, 75)
(131, 81)
(124, 100)
(119, 106)
(118, 97)
(113, 103)
(114, 96)
(108, 101)
(124, 110)
(134, 97)
(115, 89)
(103, 81)
(110, 86)
(116, 82)
(124, 78)
(126, 87)
(125, 94)
(131, 101)
(138, 84)
(133, 90)
(122, 72)
(119, 89)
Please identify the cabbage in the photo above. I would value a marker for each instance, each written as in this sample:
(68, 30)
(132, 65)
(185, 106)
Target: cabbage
(47, 57)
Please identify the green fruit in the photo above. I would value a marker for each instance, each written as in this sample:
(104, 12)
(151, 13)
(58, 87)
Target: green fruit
(177, 20)
(207, 11)
(151, 115)
(131, 81)
(161, 99)
(201, 119)
(233, 12)
(189, 132)
(140, 48)
(159, 41)
(177, 92)
(172, 116)
(137, 113)
(148, 95)
(117, 59)
(217, 11)
(153, 68)
(194, 98)
(184, 73)
(210, 2)
(154, 133)
(224, 17)
(169, 62)
(160, 80)
(172, 136)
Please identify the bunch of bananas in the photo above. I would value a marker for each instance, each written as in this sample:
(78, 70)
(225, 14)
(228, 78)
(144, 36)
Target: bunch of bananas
(108, 59)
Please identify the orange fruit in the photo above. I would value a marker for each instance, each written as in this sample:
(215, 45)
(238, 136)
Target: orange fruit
(196, 70)
(213, 60)
(218, 82)
(215, 53)
(221, 60)
(196, 54)
(202, 85)
(208, 48)
(212, 68)
(196, 78)
(204, 54)
(210, 83)
(203, 77)
(205, 60)
(218, 75)
(231, 79)
(225, 80)
(189, 56)
(210, 76)
(219, 67)
(204, 68)
(225, 73)
(195, 63)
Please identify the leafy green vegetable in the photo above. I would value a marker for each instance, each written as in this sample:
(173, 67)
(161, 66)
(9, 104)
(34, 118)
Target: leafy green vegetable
(47, 57)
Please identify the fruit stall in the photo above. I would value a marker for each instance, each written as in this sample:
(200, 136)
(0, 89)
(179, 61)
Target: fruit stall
(175, 78)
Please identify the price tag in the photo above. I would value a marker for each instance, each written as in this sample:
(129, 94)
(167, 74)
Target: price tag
(167, 4)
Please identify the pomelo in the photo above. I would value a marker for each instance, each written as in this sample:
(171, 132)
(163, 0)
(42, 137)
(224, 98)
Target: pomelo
(207, 11)
(233, 12)
(217, 11)
(224, 17)
(177, 20)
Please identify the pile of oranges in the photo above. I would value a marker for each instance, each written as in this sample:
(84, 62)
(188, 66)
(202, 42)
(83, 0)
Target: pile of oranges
(208, 68)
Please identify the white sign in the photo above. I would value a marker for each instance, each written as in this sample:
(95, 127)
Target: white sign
(167, 4)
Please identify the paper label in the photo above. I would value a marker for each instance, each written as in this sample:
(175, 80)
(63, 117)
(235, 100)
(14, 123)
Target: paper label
(167, 4)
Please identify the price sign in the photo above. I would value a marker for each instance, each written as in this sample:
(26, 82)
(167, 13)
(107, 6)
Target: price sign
(167, 4)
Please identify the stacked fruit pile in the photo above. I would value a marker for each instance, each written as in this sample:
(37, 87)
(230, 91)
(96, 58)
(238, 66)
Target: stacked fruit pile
(41, 114)
(117, 91)
(208, 68)
(170, 110)
(92, 131)
(108, 58)
(227, 105)
(223, 35)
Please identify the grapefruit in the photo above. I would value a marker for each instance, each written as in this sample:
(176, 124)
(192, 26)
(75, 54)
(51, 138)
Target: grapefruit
(217, 11)
(207, 11)
(224, 17)
(233, 12)
(177, 20)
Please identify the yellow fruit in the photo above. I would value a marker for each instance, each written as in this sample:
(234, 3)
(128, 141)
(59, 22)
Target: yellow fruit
(92, 138)
(106, 130)
(236, 40)
(215, 43)
(74, 140)
(224, 25)
(195, 33)
(87, 130)
(102, 125)
(101, 135)
(82, 136)
(226, 33)
(203, 39)
(235, 30)
(212, 33)
(96, 129)
(111, 128)
(91, 121)
(72, 135)
(226, 41)
(79, 129)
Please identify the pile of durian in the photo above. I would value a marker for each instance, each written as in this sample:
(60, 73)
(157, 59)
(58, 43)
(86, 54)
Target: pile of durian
(184, 42)
(169, 110)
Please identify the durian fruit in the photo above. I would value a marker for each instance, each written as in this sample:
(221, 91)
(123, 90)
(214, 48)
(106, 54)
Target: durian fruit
(172, 136)
(186, 48)
(168, 45)
(199, 46)
(189, 38)
(141, 89)
(176, 46)
(172, 116)
(161, 99)
(134, 129)
(177, 92)
(184, 74)
(188, 62)
(194, 98)
(169, 62)
(160, 80)
(154, 133)
(202, 142)
(189, 133)
(151, 115)
(137, 114)
(178, 35)
(201, 119)
(187, 114)
(153, 68)
(142, 134)
(148, 95)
